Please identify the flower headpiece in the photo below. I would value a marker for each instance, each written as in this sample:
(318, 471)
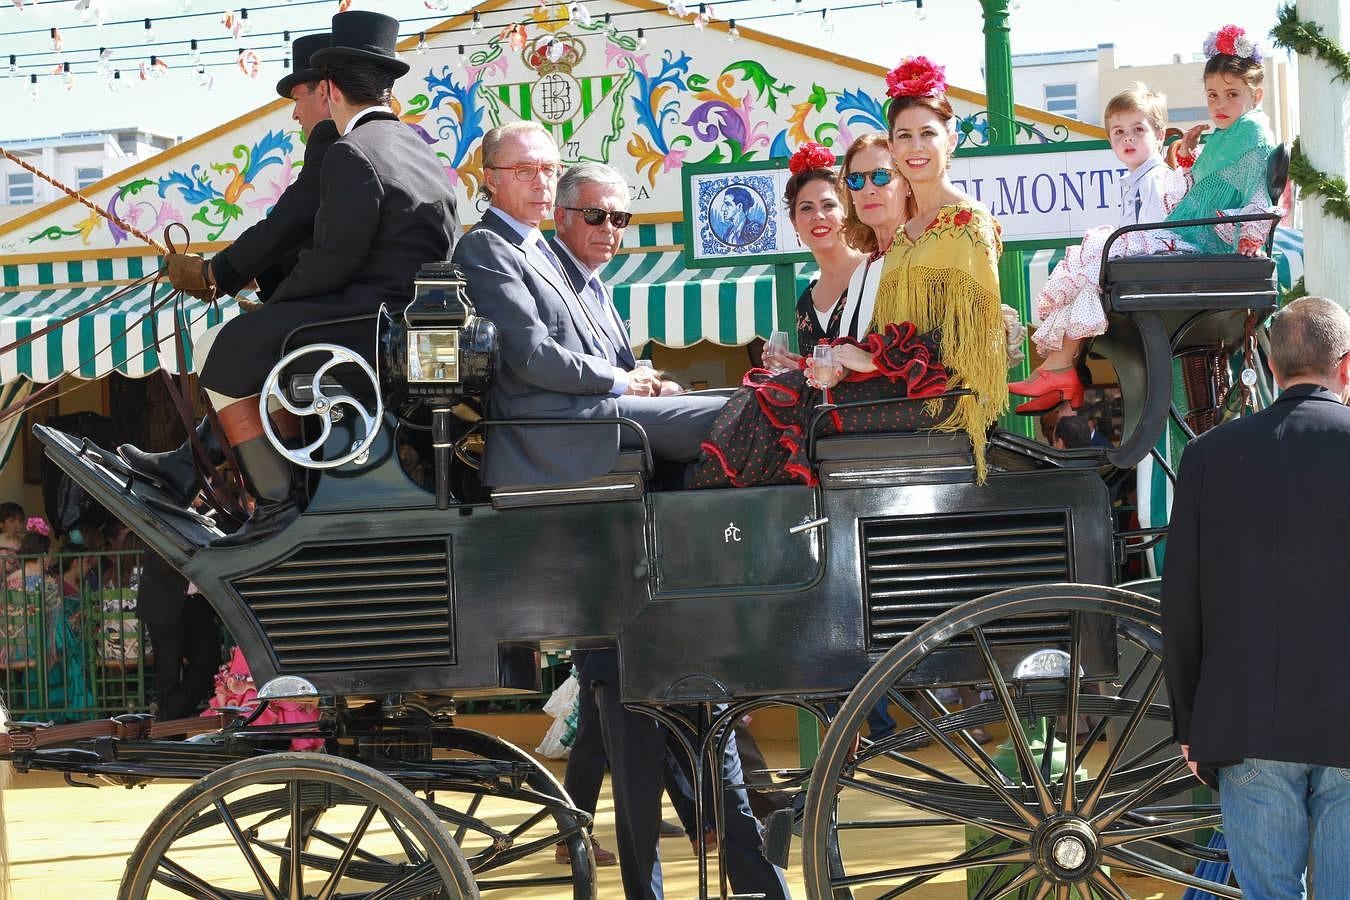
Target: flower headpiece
(810, 156)
(916, 76)
(1233, 41)
(39, 525)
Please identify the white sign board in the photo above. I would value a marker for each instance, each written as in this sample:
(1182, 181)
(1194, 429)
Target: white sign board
(1047, 196)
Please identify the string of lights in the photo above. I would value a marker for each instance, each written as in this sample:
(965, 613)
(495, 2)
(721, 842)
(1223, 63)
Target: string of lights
(249, 60)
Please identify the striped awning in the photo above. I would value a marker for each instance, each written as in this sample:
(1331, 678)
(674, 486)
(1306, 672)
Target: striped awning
(118, 337)
(677, 307)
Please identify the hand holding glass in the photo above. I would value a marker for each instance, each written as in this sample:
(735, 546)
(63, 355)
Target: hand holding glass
(825, 370)
(776, 355)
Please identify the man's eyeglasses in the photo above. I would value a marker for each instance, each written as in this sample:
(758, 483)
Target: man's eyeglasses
(856, 181)
(527, 171)
(592, 215)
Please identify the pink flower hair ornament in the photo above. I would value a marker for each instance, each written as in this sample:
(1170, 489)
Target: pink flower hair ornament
(1232, 40)
(38, 525)
(916, 76)
(810, 156)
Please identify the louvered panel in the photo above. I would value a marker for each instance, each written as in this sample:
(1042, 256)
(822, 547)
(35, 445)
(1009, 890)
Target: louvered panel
(920, 567)
(350, 606)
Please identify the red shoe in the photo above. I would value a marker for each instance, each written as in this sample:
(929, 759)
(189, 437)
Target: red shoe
(603, 857)
(1048, 389)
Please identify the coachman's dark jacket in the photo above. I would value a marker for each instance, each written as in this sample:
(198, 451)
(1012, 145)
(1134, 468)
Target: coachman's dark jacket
(268, 250)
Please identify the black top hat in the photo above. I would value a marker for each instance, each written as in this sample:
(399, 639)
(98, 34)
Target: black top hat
(359, 34)
(302, 72)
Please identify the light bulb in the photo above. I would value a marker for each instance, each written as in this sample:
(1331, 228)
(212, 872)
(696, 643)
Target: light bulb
(148, 34)
(67, 76)
(186, 5)
(477, 25)
(462, 57)
(244, 26)
(796, 7)
(826, 23)
(733, 33)
(422, 43)
(13, 65)
(641, 39)
(196, 54)
(32, 86)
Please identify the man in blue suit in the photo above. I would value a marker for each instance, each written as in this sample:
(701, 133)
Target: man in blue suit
(562, 357)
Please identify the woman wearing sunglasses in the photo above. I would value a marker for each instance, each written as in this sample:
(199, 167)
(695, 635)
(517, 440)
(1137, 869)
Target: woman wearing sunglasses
(759, 437)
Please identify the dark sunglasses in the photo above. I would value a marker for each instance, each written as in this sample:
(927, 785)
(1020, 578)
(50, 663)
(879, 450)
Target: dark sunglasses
(856, 181)
(594, 216)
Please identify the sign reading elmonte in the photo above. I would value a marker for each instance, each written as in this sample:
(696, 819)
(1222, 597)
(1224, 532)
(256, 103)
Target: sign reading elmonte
(1042, 194)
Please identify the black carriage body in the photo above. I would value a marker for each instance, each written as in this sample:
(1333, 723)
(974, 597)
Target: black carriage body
(708, 594)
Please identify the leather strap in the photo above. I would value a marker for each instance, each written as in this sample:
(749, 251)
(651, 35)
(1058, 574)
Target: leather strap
(133, 727)
(286, 423)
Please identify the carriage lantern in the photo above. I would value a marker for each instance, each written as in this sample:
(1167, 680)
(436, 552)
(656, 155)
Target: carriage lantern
(437, 352)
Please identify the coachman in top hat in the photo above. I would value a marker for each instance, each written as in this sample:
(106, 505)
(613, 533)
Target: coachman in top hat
(385, 209)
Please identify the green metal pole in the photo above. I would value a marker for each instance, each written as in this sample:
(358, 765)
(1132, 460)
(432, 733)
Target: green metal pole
(785, 302)
(998, 89)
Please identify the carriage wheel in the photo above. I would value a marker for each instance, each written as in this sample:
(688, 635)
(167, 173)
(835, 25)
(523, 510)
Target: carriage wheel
(228, 833)
(1004, 818)
(533, 820)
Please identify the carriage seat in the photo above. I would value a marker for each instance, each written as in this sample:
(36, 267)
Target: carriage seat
(1199, 281)
(924, 447)
(626, 481)
(1191, 282)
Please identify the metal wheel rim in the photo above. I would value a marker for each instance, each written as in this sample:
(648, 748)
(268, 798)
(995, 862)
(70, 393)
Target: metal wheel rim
(433, 867)
(1119, 826)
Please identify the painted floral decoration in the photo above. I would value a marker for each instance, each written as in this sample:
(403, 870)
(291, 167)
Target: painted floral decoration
(1232, 40)
(916, 76)
(810, 156)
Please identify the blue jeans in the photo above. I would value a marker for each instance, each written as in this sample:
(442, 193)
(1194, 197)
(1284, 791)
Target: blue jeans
(1272, 812)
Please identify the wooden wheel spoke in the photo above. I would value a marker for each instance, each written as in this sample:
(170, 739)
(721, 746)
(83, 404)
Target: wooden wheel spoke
(471, 811)
(295, 886)
(329, 889)
(1109, 767)
(410, 848)
(1107, 886)
(269, 890)
(991, 889)
(1104, 820)
(422, 877)
(919, 802)
(1044, 889)
(203, 890)
(955, 864)
(1137, 862)
(1068, 796)
(1018, 738)
(992, 777)
(971, 744)
(1116, 836)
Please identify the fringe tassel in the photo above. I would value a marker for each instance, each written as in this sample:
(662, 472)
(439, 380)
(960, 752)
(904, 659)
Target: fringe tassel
(966, 315)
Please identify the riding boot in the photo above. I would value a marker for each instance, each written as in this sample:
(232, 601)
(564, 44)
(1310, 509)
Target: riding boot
(174, 470)
(270, 476)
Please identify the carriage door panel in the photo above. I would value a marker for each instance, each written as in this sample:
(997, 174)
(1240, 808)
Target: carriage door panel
(735, 538)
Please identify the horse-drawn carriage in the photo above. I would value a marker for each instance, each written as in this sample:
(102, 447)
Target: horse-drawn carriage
(895, 577)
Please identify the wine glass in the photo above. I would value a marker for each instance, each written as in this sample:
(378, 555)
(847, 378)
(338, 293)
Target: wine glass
(824, 368)
(775, 351)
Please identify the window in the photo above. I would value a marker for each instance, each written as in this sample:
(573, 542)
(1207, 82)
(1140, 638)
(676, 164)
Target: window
(86, 176)
(19, 189)
(1062, 100)
(126, 142)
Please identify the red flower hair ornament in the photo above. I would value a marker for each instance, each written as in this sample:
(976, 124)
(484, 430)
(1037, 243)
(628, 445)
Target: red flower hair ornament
(916, 76)
(1234, 41)
(810, 156)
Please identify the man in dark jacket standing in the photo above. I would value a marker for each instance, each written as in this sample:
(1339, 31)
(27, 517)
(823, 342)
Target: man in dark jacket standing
(1255, 615)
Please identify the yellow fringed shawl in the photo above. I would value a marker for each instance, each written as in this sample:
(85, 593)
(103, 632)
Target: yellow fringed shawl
(948, 280)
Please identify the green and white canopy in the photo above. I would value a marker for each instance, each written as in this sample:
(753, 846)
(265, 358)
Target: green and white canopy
(120, 336)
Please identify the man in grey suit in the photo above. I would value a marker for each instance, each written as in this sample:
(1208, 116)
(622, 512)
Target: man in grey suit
(560, 357)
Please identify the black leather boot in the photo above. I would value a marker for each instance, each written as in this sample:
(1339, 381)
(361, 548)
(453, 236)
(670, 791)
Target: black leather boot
(173, 470)
(271, 480)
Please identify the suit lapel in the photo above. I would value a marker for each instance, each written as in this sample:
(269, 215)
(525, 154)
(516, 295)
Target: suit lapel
(609, 322)
(547, 271)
